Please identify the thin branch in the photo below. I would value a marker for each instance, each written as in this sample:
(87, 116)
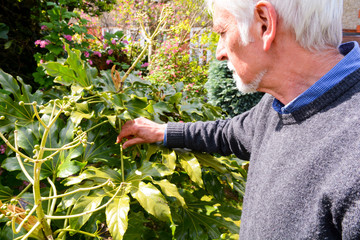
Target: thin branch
(75, 191)
(19, 160)
(87, 212)
(53, 201)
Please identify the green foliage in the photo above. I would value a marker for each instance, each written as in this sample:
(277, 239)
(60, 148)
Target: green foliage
(85, 181)
(222, 91)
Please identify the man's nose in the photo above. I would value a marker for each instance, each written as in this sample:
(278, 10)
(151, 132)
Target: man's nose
(221, 54)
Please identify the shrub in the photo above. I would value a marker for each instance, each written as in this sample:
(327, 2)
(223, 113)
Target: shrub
(62, 142)
(222, 91)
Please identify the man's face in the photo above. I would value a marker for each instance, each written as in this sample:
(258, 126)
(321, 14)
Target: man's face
(242, 58)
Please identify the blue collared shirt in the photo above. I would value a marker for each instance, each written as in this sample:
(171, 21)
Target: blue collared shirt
(347, 65)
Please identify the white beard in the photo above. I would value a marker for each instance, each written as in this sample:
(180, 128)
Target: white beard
(241, 86)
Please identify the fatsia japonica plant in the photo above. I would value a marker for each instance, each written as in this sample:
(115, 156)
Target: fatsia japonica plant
(84, 186)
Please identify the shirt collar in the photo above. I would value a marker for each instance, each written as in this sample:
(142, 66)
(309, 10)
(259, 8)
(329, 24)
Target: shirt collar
(347, 65)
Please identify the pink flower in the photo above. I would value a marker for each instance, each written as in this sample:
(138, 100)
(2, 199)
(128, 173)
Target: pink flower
(43, 27)
(113, 41)
(97, 53)
(91, 62)
(145, 64)
(2, 149)
(41, 61)
(108, 61)
(68, 37)
(125, 42)
(105, 46)
(43, 43)
(110, 51)
(37, 42)
(124, 50)
(86, 54)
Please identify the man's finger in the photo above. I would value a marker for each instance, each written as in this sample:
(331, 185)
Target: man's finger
(132, 142)
(126, 130)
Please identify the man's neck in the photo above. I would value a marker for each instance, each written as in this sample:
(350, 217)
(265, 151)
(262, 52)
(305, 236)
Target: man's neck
(294, 72)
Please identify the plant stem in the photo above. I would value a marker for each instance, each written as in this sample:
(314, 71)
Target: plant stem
(87, 212)
(19, 160)
(75, 191)
(77, 231)
(52, 207)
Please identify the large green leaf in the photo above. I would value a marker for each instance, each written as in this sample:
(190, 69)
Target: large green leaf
(136, 226)
(136, 107)
(151, 199)
(170, 190)
(6, 193)
(63, 74)
(146, 170)
(10, 107)
(81, 111)
(11, 164)
(169, 158)
(70, 200)
(191, 165)
(104, 146)
(100, 175)
(84, 204)
(117, 216)
(197, 224)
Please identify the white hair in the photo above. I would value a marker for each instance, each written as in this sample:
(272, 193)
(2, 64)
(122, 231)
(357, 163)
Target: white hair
(316, 23)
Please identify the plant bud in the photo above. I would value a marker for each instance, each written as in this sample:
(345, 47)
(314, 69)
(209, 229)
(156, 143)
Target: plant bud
(41, 107)
(84, 145)
(67, 113)
(21, 103)
(3, 207)
(27, 211)
(27, 160)
(2, 117)
(14, 201)
(34, 151)
(8, 223)
(8, 214)
(34, 103)
(2, 216)
(37, 147)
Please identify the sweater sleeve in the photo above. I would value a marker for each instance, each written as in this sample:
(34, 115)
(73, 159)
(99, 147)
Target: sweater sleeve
(225, 137)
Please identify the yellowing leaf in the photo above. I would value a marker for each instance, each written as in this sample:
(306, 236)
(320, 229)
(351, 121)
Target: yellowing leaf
(192, 167)
(117, 216)
(151, 199)
(170, 190)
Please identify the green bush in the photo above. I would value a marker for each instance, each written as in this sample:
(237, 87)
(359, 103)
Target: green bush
(61, 142)
(222, 91)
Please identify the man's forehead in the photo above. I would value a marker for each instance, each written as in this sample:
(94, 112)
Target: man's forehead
(221, 17)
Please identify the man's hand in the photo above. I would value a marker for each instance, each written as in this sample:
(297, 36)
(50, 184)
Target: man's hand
(141, 130)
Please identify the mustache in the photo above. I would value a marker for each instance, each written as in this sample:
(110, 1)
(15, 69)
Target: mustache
(230, 66)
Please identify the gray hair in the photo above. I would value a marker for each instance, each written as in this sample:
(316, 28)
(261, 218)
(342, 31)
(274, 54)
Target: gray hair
(316, 23)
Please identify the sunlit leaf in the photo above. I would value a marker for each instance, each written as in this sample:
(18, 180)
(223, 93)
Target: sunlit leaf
(191, 165)
(70, 168)
(151, 199)
(170, 190)
(10, 107)
(84, 204)
(117, 216)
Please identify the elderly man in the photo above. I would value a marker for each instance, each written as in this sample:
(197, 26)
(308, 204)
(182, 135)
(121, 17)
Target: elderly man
(303, 138)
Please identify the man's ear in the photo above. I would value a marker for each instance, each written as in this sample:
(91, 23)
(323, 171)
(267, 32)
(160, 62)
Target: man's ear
(266, 19)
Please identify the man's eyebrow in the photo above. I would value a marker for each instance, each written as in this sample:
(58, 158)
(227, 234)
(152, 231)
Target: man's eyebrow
(217, 28)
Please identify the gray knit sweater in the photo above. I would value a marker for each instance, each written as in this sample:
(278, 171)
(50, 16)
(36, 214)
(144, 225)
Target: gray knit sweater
(304, 174)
